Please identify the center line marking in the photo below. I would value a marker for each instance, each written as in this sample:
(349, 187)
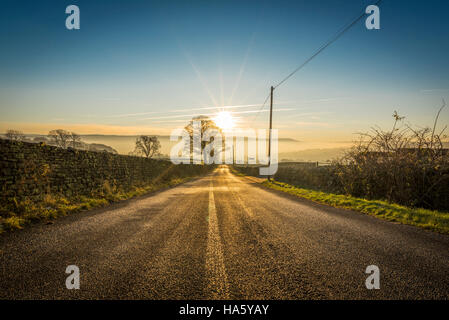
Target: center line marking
(217, 283)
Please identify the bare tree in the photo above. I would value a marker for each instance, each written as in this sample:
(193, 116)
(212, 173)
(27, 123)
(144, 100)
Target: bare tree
(60, 137)
(148, 146)
(75, 140)
(206, 123)
(15, 135)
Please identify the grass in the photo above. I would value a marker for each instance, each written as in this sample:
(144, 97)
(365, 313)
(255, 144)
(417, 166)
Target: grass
(427, 219)
(54, 206)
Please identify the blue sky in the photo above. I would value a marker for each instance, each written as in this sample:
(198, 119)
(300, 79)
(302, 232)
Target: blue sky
(145, 67)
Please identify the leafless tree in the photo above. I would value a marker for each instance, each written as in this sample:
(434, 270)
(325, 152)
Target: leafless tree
(75, 140)
(205, 124)
(60, 137)
(15, 135)
(148, 146)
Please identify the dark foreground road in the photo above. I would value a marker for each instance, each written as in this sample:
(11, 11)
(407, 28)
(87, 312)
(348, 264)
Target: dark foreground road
(223, 236)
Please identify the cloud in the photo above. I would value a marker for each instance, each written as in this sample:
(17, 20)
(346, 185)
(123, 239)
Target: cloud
(312, 124)
(43, 128)
(425, 91)
(188, 116)
(125, 115)
(312, 114)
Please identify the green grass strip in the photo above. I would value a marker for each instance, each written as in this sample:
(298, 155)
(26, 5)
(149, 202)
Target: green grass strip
(427, 219)
(54, 206)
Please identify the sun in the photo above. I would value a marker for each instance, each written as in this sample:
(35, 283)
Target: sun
(224, 120)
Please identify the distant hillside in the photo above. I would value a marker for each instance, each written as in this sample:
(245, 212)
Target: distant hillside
(321, 155)
(97, 147)
(124, 144)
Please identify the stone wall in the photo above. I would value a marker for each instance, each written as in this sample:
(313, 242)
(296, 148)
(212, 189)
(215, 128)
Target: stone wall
(30, 171)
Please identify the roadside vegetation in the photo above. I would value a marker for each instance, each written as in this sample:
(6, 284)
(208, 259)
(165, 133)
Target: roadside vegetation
(428, 219)
(401, 174)
(52, 206)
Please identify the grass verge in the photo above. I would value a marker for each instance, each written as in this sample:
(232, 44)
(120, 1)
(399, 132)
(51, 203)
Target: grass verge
(54, 206)
(427, 219)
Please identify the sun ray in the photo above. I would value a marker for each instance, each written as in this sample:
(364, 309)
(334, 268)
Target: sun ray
(200, 78)
(242, 68)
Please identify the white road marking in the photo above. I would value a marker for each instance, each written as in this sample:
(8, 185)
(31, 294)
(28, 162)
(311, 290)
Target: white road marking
(217, 283)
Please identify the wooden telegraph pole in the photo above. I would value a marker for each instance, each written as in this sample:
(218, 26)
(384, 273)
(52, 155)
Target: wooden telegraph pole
(271, 127)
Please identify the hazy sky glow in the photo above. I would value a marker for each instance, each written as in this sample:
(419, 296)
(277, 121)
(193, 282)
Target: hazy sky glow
(147, 67)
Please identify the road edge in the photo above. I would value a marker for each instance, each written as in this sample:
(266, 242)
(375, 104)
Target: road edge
(400, 218)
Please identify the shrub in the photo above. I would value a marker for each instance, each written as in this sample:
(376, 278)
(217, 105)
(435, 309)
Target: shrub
(404, 165)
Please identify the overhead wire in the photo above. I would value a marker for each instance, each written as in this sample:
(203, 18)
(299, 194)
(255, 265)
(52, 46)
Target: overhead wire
(342, 31)
(325, 45)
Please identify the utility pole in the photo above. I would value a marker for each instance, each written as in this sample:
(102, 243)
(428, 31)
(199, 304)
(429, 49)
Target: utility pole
(271, 127)
(233, 150)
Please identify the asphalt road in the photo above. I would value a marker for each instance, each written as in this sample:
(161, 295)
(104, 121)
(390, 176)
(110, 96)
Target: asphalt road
(223, 237)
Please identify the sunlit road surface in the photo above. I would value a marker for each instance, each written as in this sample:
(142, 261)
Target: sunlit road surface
(223, 237)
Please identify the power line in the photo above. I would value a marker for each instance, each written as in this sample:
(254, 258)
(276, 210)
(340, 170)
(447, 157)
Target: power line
(317, 52)
(324, 46)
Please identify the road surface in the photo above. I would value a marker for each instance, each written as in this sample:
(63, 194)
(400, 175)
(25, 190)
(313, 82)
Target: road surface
(223, 237)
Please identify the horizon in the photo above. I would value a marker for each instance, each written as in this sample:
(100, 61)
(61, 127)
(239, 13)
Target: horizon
(124, 144)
